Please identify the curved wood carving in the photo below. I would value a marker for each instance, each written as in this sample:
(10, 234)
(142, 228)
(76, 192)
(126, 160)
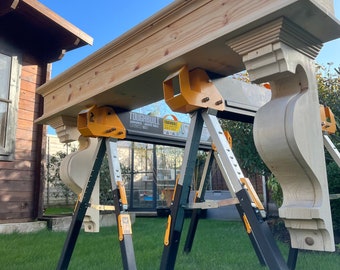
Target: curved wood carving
(288, 137)
(74, 172)
(287, 130)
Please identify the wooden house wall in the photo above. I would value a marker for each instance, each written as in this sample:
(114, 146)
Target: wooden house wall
(20, 180)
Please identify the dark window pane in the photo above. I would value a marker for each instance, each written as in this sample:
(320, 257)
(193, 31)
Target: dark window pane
(3, 123)
(5, 71)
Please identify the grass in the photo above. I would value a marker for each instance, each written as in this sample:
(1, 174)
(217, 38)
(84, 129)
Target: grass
(60, 210)
(218, 245)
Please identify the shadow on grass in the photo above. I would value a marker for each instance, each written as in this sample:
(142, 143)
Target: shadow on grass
(217, 245)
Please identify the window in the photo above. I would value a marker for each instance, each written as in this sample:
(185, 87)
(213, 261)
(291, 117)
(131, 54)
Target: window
(9, 95)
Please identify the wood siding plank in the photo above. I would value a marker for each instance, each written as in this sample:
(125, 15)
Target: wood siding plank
(16, 175)
(21, 165)
(17, 196)
(26, 113)
(25, 134)
(16, 185)
(28, 86)
(18, 179)
(27, 95)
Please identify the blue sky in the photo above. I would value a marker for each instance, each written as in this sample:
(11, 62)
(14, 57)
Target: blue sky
(105, 20)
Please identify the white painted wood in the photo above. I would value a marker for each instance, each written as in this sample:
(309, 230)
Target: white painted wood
(287, 130)
(66, 128)
(75, 171)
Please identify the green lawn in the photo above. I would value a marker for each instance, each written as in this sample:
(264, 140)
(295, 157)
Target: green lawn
(60, 210)
(218, 245)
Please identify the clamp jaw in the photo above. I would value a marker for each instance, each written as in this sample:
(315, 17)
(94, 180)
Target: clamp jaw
(100, 122)
(195, 91)
(328, 123)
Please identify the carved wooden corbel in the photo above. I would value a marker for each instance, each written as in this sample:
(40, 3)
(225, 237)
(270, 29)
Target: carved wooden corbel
(287, 130)
(66, 128)
(74, 169)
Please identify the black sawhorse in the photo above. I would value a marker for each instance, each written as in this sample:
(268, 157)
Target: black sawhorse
(109, 146)
(257, 228)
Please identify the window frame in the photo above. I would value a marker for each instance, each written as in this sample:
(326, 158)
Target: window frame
(7, 152)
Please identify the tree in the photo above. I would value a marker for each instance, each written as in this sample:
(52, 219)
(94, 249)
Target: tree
(244, 148)
(329, 95)
(328, 87)
(60, 190)
(105, 189)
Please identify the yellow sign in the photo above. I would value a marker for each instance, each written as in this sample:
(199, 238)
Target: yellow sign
(171, 124)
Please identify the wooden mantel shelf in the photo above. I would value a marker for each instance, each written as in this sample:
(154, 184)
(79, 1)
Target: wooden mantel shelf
(128, 72)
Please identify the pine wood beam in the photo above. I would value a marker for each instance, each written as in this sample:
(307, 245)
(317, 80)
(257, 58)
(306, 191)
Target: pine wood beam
(128, 72)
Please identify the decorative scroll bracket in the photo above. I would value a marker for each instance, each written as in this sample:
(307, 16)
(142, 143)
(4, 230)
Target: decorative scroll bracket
(287, 130)
(66, 128)
(74, 168)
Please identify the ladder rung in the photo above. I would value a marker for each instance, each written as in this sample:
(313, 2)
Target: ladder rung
(210, 204)
(334, 196)
(102, 207)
